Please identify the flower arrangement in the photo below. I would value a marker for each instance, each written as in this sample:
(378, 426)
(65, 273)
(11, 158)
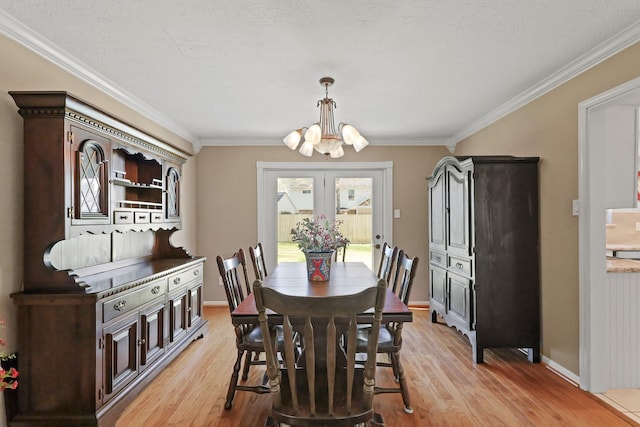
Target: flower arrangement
(7, 377)
(318, 234)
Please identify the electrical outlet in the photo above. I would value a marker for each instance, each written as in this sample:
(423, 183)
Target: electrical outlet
(637, 226)
(220, 281)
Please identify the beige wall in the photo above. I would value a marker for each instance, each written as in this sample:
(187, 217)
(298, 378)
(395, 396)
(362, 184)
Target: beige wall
(227, 201)
(20, 69)
(548, 128)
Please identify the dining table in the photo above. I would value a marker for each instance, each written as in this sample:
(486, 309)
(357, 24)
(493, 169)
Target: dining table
(345, 278)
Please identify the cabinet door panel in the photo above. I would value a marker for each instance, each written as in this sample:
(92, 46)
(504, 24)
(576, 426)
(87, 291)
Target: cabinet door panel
(151, 334)
(437, 209)
(438, 286)
(459, 301)
(121, 354)
(195, 305)
(178, 322)
(458, 229)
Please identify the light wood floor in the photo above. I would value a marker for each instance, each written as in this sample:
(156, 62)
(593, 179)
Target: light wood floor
(447, 388)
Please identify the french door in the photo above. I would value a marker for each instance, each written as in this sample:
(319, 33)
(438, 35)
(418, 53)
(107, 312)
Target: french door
(358, 195)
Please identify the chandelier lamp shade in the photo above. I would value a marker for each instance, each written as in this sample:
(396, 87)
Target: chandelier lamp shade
(322, 136)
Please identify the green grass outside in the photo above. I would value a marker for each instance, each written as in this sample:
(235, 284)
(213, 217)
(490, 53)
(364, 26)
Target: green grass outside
(289, 252)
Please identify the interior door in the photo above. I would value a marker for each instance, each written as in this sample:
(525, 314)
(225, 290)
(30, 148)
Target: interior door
(358, 196)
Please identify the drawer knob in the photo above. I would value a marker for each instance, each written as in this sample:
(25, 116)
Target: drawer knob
(124, 217)
(196, 272)
(459, 265)
(176, 281)
(142, 342)
(120, 305)
(155, 290)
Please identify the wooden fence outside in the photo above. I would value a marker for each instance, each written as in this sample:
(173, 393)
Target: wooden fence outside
(356, 228)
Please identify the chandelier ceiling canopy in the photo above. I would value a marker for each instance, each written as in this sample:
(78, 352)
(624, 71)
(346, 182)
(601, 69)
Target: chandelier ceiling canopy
(322, 136)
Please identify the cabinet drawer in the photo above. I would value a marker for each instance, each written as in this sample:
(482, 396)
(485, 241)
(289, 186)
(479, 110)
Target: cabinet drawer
(128, 301)
(122, 217)
(185, 277)
(461, 266)
(156, 217)
(141, 218)
(438, 258)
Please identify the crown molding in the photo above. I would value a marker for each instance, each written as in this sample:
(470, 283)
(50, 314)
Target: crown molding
(600, 53)
(277, 141)
(33, 41)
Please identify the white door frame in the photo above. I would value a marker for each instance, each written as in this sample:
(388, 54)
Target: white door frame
(594, 317)
(387, 191)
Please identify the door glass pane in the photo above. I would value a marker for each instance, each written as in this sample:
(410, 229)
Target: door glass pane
(91, 161)
(295, 202)
(354, 203)
(173, 182)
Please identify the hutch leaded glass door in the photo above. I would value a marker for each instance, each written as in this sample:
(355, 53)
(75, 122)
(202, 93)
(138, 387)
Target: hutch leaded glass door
(173, 194)
(91, 178)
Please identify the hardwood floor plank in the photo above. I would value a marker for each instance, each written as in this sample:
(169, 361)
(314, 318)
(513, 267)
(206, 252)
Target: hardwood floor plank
(447, 388)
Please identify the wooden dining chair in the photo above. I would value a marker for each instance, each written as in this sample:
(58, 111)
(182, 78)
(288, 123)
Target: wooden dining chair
(341, 252)
(387, 261)
(257, 259)
(324, 386)
(390, 340)
(249, 342)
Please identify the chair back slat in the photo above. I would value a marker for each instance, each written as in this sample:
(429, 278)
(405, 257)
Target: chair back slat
(310, 355)
(387, 261)
(233, 272)
(257, 259)
(290, 357)
(405, 273)
(322, 321)
(331, 363)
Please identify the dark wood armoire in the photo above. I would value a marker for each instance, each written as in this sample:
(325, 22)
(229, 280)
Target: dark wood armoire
(484, 251)
(107, 301)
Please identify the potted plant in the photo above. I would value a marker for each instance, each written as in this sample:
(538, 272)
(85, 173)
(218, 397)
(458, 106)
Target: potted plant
(318, 238)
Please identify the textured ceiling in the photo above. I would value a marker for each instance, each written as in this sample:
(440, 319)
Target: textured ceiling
(244, 71)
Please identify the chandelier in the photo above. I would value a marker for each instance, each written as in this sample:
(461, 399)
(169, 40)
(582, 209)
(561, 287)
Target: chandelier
(322, 136)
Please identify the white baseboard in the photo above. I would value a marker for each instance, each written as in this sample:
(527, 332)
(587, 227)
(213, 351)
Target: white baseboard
(215, 303)
(561, 371)
(421, 304)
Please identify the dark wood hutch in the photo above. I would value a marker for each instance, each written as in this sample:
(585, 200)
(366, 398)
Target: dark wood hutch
(107, 300)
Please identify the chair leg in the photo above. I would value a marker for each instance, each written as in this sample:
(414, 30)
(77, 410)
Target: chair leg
(377, 421)
(393, 366)
(247, 364)
(404, 387)
(234, 381)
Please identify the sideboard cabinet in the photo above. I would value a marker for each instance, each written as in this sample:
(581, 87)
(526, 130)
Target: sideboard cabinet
(107, 301)
(484, 251)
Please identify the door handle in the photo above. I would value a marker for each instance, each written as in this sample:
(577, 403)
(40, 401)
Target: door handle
(378, 246)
